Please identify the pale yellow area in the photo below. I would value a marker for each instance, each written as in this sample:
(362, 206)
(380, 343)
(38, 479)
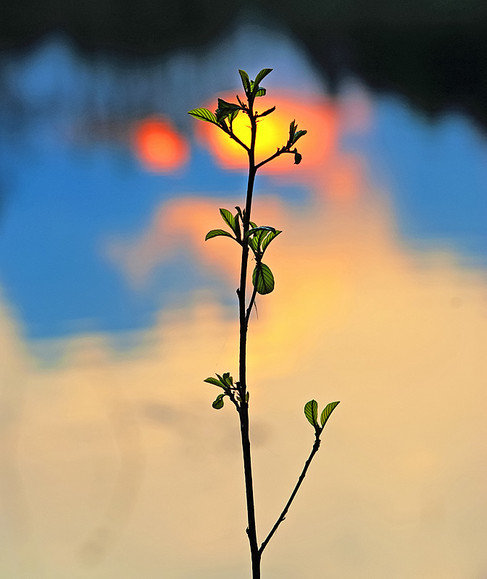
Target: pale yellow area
(114, 465)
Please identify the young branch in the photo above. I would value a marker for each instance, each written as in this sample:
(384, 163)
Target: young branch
(271, 158)
(229, 131)
(282, 516)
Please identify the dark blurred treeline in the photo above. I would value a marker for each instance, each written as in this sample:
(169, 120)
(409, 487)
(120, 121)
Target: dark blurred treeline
(433, 52)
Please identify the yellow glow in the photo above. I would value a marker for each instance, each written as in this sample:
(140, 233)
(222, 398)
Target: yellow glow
(316, 115)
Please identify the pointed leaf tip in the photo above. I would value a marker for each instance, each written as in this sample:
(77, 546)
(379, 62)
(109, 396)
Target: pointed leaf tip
(329, 408)
(226, 109)
(245, 81)
(298, 135)
(262, 74)
(269, 238)
(228, 218)
(267, 112)
(311, 412)
(216, 233)
(203, 115)
(214, 381)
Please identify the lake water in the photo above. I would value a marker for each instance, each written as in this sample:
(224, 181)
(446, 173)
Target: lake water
(113, 309)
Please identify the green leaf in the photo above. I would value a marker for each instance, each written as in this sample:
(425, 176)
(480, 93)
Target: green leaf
(252, 241)
(245, 81)
(267, 112)
(214, 381)
(262, 74)
(228, 218)
(262, 279)
(259, 236)
(204, 115)
(227, 379)
(237, 229)
(272, 235)
(298, 135)
(329, 408)
(233, 116)
(256, 90)
(225, 109)
(225, 105)
(218, 402)
(311, 412)
(254, 230)
(216, 233)
(254, 244)
(292, 131)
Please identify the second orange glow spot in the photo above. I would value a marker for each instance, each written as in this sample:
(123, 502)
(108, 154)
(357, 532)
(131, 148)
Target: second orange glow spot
(317, 116)
(159, 146)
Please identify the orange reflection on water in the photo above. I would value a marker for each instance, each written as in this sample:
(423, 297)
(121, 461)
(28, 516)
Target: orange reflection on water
(159, 146)
(316, 115)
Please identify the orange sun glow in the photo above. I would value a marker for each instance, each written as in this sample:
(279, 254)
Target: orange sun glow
(158, 146)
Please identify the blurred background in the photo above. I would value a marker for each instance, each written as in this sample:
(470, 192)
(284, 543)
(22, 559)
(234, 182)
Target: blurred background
(113, 309)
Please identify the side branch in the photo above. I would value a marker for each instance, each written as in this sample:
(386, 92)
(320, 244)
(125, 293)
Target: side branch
(271, 158)
(229, 131)
(282, 516)
(233, 136)
(278, 153)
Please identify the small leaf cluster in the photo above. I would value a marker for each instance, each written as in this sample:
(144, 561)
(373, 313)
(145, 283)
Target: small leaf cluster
(294, 135)
(252, 87)
(257, 238)
(226, 113)
(311, 413)
(229, 387)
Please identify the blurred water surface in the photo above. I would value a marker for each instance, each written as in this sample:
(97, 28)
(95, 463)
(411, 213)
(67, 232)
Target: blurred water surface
(113, 309)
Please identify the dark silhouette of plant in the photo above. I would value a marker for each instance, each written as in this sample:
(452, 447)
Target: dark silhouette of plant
(254, 240)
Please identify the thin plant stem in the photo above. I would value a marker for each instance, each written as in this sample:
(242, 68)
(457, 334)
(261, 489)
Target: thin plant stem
(238, 392)
(282, 516)
(243, 323)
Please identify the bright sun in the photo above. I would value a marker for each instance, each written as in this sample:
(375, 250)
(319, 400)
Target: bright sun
(316, 115)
